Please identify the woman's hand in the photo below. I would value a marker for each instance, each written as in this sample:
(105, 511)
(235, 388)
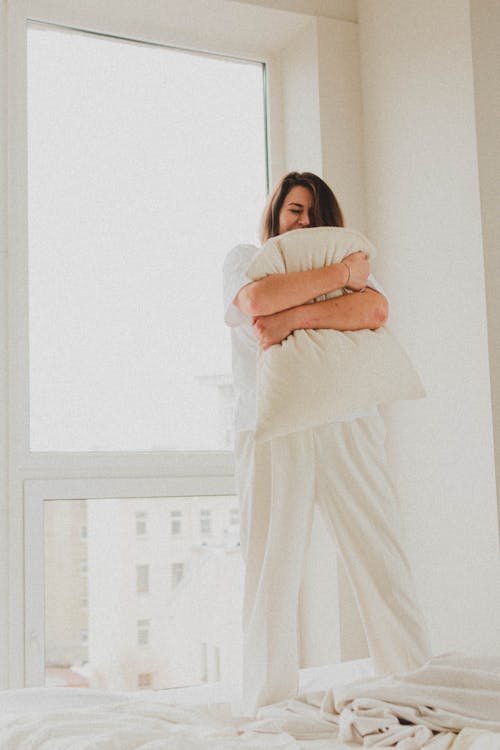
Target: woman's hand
(272, 329)
(359, 266)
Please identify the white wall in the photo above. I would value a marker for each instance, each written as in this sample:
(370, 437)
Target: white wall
(301, 107)
(323, 133)
(341, 116)
(423, 213)
(342, 9)
(4, 549)
(485, 23)
(322, 130)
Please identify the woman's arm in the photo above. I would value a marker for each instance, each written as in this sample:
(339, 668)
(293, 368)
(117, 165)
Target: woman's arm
(351, 312)
(282, 291)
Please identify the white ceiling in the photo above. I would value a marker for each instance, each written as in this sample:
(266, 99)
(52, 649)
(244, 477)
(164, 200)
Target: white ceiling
(345, 10)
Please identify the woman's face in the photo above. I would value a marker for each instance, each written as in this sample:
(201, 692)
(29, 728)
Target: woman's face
(296, 211)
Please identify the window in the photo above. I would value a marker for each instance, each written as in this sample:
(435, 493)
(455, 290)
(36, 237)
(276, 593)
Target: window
(141, 523)
(206, 521)
(84, 636)
(143, 632)
(83, 533)
(83, 567)
(142, 578)
(234, 516)
(144, 680)
(106, 216)
(176, 522)
(81, 451)
(177, 573)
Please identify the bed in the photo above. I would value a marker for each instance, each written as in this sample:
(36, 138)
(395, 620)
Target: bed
(452, 702)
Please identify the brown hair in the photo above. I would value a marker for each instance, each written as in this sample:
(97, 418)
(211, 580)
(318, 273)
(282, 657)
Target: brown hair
(325, 212)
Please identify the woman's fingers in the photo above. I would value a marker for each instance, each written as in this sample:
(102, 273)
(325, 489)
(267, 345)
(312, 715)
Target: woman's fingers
(271, 329)
(359, 265)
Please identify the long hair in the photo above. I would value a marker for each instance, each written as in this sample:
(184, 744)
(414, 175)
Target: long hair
(325, 211)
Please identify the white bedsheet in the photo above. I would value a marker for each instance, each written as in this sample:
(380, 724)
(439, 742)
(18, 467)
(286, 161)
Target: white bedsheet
(451, 703)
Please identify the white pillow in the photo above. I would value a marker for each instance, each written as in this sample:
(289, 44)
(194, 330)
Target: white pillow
(319, 376)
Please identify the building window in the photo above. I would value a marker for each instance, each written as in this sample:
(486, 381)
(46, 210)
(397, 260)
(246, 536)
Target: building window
(144, 680)
(142, 579)
(84, 601)
(83, 567)
(234, 516)
(177, 573)
(83, 533)
(84, 636)
(176, 522)
(206, 521)
(143, 632)
(141, 523)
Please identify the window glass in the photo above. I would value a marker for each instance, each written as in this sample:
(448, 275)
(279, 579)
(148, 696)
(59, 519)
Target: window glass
(146, 165)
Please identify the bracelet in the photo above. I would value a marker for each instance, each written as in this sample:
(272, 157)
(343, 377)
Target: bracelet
(348, 272)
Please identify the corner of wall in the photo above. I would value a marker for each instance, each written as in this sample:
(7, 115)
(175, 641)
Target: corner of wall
(341, 115)
(4, 507)
(485, 32)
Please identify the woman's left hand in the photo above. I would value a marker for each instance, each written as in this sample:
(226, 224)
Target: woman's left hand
(272, 329)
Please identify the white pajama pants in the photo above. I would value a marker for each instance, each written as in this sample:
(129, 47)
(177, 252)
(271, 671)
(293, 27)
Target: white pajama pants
(342, 466)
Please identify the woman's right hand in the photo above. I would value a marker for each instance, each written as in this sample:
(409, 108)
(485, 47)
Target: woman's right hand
(359, 266)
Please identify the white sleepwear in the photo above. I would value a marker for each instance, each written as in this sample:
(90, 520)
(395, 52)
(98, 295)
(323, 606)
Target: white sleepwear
(342, 466)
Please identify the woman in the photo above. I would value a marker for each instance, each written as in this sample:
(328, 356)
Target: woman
(340, 465)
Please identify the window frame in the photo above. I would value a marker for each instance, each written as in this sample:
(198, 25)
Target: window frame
(34, 477)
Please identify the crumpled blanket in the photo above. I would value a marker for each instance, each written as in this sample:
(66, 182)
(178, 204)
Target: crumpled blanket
(450, 703)
(450, 693)
(136, 725)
